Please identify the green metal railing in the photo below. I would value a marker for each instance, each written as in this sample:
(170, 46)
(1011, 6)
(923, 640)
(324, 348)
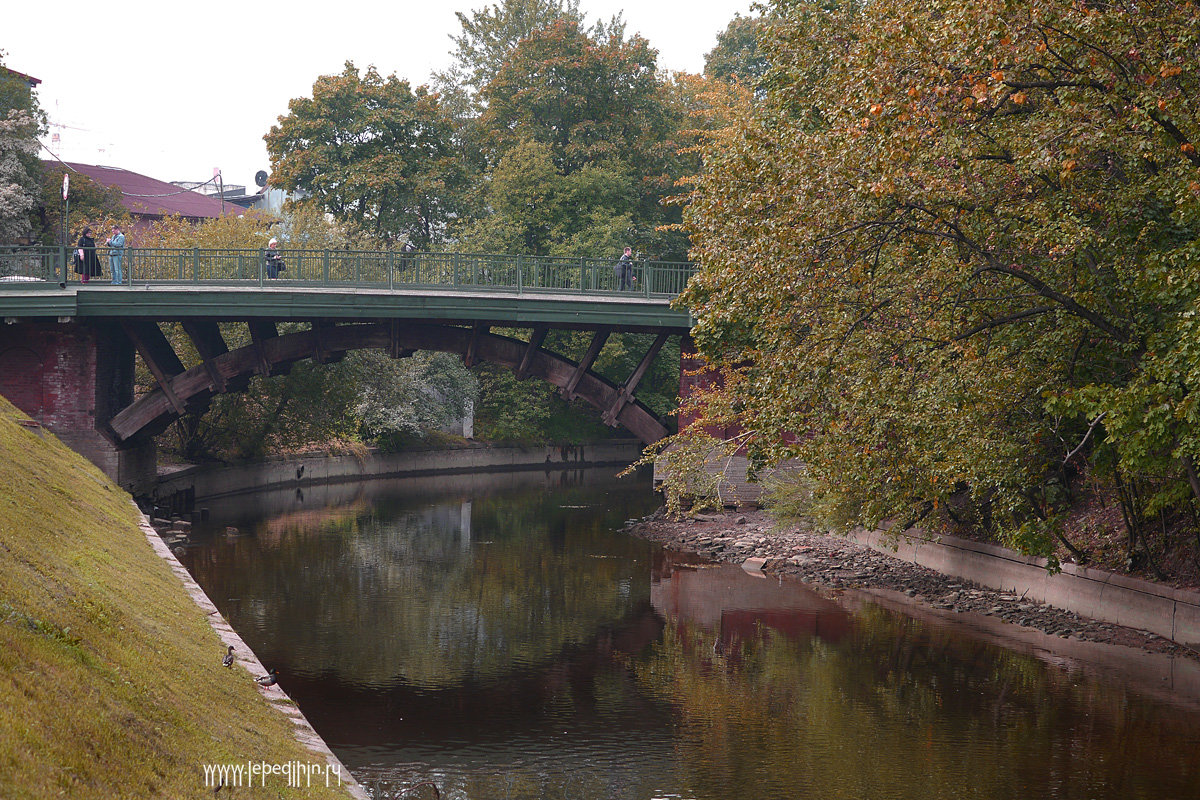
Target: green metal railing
(52, 268)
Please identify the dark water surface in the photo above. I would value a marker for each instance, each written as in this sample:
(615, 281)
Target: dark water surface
(494, 634)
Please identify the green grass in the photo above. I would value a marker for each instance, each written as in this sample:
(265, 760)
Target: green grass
(111, 684)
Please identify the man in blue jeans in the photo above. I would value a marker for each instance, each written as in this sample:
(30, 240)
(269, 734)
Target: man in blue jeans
(116, 253)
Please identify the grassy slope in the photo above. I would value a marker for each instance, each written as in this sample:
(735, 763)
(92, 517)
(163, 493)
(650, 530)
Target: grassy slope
(110, 677)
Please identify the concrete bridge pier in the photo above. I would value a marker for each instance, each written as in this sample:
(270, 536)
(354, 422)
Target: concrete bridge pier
(72, 377)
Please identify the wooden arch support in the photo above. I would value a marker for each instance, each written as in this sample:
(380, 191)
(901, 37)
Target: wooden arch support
(152, 412)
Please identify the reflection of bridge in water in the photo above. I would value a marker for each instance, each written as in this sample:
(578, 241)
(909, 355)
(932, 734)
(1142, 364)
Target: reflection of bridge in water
(67, 350)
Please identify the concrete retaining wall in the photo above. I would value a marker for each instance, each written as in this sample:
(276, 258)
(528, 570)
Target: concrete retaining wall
(248, 660)
(1171, 613)
(307, 470)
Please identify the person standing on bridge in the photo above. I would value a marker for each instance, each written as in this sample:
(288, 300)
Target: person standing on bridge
(624, 268)
(87, 263)
(116, 252)
(272, 261)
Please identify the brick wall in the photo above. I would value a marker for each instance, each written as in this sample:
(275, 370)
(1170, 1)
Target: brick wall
(48, 370)
(72, 377)
(694, 375)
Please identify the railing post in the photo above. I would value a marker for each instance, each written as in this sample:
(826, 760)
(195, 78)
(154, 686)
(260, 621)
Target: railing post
(325, 266)
(582, 273)
(454, 280)
(391, 268)
(519, 275)
(195, 265)
(646, 278)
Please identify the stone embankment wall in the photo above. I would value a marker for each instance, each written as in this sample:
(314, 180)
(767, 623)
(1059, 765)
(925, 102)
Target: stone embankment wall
(1171, 613)
(308, 470)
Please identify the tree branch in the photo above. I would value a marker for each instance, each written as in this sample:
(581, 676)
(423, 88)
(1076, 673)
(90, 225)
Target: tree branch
(1053, 294)
(996, 323)
(1086, 436)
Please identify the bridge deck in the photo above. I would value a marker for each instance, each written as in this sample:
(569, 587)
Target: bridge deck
(224, 284)
(294, 301)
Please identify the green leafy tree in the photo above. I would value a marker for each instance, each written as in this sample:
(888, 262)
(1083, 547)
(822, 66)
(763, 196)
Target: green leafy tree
(954, 253)
(589, 100)
(372, 152)
(489, 36)
(737, 55)
(537, 210)
(399, 399)
(91, 204)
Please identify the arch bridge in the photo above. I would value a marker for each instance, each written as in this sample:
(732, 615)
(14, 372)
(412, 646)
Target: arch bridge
(67, 349)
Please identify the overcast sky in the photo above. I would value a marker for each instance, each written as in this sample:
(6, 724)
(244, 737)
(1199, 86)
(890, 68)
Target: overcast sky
(175, 90)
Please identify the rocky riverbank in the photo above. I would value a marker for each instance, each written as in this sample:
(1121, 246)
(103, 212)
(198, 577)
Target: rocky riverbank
(833, 564)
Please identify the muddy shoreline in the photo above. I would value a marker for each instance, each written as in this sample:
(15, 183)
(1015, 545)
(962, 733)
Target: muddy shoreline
(834, 565)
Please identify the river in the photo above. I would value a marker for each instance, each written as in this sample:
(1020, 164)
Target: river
(497, 635)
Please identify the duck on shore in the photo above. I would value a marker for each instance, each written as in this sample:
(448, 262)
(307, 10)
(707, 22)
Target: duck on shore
(270, 679)
(227, 661)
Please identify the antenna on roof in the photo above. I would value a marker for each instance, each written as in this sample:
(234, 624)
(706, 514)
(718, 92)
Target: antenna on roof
(260, 178)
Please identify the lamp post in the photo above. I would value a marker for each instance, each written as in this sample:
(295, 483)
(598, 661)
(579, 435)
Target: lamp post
(66, 205)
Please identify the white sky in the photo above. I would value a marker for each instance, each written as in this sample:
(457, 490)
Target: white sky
(174, 90)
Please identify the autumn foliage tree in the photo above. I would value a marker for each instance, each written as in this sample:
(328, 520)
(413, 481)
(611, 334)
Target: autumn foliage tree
(955, 253)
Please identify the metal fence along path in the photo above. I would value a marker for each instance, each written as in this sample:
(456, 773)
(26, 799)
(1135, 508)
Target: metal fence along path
(52, 268)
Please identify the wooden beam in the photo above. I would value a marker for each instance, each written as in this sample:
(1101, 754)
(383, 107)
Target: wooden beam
(321, 353)
(535, 343)
(159, 356)
(586, 362)
(207, 339)
(471, 355)
(395, 347)
(625, 395)
(260, 331)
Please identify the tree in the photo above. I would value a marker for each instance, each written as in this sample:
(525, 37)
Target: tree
(955, 252)
(21, 120)
(537, 210)
(588, 100)
(489, 36)
(91, 203)
(18, 145)
(408, 397)
(736, 55)
(373, 153)
(597, 103)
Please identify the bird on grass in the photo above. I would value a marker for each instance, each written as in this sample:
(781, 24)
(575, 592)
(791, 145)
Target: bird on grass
(227, 661)
(270, 679)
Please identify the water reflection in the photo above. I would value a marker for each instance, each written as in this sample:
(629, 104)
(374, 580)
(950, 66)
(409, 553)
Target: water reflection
(495, 635)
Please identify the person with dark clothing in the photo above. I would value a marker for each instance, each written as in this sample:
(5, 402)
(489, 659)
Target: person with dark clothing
(87, 263)
(272, 260)
(624, 268)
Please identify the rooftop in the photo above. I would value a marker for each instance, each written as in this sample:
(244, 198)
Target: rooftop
(146, 196)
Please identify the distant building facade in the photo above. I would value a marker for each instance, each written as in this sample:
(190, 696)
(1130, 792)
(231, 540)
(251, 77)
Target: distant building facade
(265, 199)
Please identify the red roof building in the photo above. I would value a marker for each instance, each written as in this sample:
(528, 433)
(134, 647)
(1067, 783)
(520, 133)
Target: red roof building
(149, 199)
(28, 79)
